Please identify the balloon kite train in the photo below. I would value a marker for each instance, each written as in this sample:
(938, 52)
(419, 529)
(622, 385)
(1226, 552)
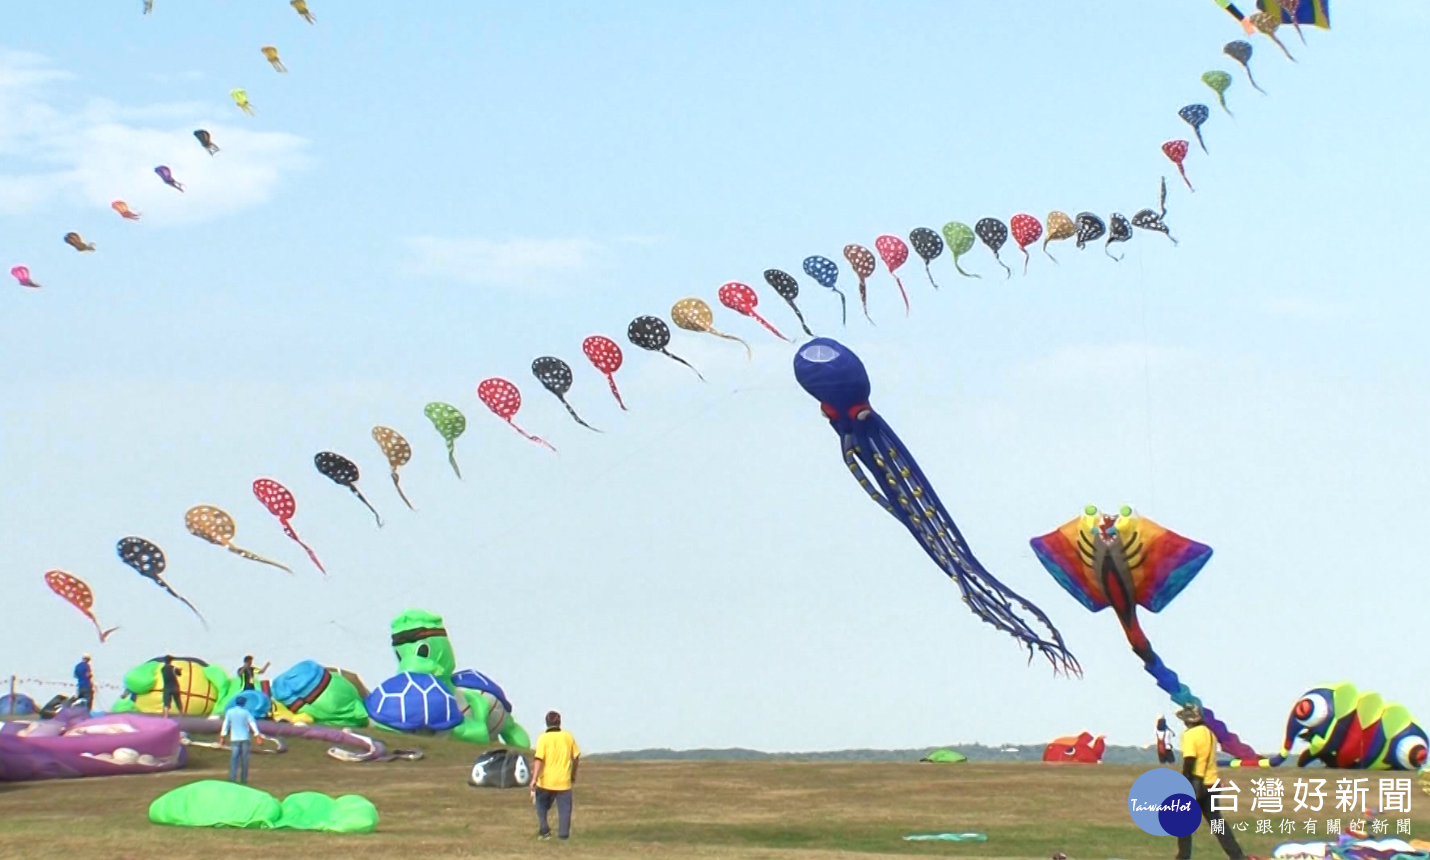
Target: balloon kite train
(835, 376)
(1123, 561)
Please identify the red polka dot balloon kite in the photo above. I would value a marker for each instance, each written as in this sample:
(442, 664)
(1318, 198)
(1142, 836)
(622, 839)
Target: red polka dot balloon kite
(741, 299)
(503, 398)
(1026, 230)
(1176, 150)
(281, 504)
(22, 274)
(606, 356)
(894, 253)
(76, 593)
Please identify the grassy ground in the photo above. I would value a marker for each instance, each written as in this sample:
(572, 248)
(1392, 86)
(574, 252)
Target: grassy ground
(630, 809)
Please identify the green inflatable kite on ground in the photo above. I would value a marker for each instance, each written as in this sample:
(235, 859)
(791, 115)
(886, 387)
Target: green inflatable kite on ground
(215, 803)
(945, 757)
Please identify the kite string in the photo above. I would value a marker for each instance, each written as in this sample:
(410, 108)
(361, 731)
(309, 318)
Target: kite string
(1147, 381)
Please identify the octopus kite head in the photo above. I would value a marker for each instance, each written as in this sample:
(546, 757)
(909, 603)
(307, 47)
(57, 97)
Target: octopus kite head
(834, 375)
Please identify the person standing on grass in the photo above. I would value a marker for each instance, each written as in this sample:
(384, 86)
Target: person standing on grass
(557, 757)
(84, 682)
(1199, 767)
(170, 675)
(246, 672)
(241, 730)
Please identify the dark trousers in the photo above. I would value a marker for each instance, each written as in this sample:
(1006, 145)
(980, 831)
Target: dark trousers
(1226, 838)
(86, 695)
(562, 799)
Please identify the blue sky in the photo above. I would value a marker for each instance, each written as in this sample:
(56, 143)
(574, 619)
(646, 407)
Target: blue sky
(432, 197)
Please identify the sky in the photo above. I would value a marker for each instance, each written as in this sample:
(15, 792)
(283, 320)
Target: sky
(434, 195)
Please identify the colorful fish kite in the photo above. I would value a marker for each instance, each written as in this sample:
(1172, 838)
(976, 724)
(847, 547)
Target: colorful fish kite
(148, 561)
(959, 237)
(343, 472)
(1060, 227)
(928, 246)
(124, 211)
(862, 262)
(503, 399)
(1090, 228)
(994, 233)
(240, 98)
(74, 240)
(1176, 151)
(218, 528)
(1146, 219)
(398, 452)
(1220, 82)
(301, 7)
(693, 314)
(832, 374)
(1026, 230)
(894, 253)
(1195, 116)
(76, 593)
(652, 334)
(450, 424)
(787, 288)
(1236, 13)
(826, 274)
(1119, 230)
(605, 355)
(206, 140)
(555, 376)
(22, 274)
(1267, 23)
(741, 299)
(1124, 561)
(1241, 52)
(1344, 728)
(281, 504)
(168, 176)
(270, 54)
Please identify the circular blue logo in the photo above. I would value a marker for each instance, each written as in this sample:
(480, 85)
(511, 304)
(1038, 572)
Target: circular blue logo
(1162, 804)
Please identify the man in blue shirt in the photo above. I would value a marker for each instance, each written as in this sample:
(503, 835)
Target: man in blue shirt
(84, 681)
(240, 729)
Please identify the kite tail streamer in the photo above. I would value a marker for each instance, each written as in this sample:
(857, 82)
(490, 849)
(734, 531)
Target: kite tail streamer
(288, 530)
(999, 258)
(1168, 681)
(802, 324)
(1183, 171)
(902, 294)
(764, 322)
(843, 308)
(1050, 253)
(1202, 142)
(672, 355)
(749, 353)
(965, 274)
(401, 494)
(1257, 86)
(252, 556)
(615, 392)
(929, 272)
(1025, 260)
(452, 452)
(1108, 250)
(363, 499)
(537, 439)
(575, 417)
(864, 302)
(186, 602)
(103, 634)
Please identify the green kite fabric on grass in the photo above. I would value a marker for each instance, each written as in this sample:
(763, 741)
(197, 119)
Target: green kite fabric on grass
(946, 837)
(215, 803)
(945, 756)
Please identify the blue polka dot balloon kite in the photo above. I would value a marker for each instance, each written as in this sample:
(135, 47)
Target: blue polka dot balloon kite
(826, 274)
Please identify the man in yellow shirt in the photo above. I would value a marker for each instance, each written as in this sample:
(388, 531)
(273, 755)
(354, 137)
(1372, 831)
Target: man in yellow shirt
(557, 757)
(1199, 767)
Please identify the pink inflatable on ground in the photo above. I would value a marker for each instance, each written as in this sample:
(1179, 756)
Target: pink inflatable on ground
(75, 744)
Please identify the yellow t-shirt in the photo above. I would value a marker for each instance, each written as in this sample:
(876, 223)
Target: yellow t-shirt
(558, 750)
(1198, 743)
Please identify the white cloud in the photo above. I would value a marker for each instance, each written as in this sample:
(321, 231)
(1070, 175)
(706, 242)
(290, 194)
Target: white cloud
(516, 263)
(101, 152)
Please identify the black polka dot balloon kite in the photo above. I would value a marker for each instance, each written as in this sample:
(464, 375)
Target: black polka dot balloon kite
(994, 233)
(784, 284)
(928, 246)
(1241, 52)
(651, 333)
(343, 472)
(555, 376)
(1090, 228)
(1119, 230)
(1195, 116)
(148, 561)
(1146, 219)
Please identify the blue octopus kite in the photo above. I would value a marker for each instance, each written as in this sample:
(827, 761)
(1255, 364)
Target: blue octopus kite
(835, 376)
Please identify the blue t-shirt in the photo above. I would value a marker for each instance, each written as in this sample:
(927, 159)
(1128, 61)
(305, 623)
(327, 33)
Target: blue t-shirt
(81, 673)
(238, 724)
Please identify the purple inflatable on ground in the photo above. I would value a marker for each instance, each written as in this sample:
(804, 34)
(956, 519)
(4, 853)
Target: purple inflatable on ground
(367, 749)
(75, 744)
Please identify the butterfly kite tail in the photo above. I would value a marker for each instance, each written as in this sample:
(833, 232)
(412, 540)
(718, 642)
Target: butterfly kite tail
(616, 392)
(537, 439)
(902, 294)
(929, 272)
(764, 322)
(368, 505)
(577, 418)
(675, 357)
(1168, 681)
(398, 484)
(288, 530)
(253, 556)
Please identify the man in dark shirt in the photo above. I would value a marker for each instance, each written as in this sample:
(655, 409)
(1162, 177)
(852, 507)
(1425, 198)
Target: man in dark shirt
(84, 682)
(170, 674)
(246, 672)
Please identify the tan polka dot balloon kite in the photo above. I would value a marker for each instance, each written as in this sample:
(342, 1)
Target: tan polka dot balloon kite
(398, 453)
(1060, 227)
(74, 240)
(741, 299)
(76, 593)
(281, 504)
(301, 7)
(862, 262)
(1267, 23)
(504, 399)
(693, 314)
(218, 528)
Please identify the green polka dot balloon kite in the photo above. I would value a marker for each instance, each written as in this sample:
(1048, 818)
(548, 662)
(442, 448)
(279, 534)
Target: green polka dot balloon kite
(959, 238)
(450, 423)
(1220, 82)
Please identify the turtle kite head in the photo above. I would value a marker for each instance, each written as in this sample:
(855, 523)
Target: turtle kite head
(422, 645)
(834, 375)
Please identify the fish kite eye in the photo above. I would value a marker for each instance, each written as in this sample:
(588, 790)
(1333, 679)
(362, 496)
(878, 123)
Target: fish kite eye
(819, 353)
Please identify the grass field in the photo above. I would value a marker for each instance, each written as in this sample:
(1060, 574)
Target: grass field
(634, 809)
